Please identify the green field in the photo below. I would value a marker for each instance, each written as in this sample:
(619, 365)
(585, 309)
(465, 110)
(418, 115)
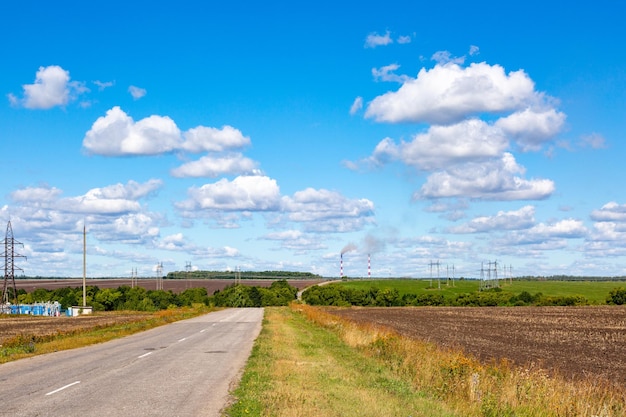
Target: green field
(594, 291)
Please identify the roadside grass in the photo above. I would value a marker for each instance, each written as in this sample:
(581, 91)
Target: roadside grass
(298, 368)
(594, 291)
(469, 387)
(27, 345)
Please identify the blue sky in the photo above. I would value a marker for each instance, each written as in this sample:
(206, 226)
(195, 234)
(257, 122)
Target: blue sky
(276, 136)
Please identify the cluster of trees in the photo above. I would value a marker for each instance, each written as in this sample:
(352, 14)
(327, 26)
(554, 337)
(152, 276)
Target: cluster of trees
(617, 296)
(339, 295)
(280, 293)
(140, 299)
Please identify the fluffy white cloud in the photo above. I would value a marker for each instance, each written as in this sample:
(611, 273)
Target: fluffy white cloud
(209, 166)
(523, 218)
(316, 210)
(450, 93)
(244, 193)
(492, 180)
(117, 134)
(128, 228)
(441, 146)
(324, 210)
(114, 199)
(531, 128)
(562, 229)
(610, 212)
(112, 214)
(210, 139)
(36, 195)
(52, 87)
(374, 39)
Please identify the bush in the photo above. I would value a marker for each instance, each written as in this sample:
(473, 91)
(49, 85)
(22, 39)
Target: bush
(617, 296)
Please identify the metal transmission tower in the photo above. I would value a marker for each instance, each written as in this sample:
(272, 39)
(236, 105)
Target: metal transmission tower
(187, 273)
(159, 276)
(437, 264)
(9, 264)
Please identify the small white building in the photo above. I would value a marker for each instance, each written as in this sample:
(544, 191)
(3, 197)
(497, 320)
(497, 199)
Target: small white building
(76, 311)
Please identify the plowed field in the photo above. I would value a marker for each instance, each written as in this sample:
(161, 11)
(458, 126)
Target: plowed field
(11, 325)
(576, 342)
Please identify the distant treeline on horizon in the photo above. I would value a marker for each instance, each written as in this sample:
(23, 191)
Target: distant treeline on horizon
(208, 275)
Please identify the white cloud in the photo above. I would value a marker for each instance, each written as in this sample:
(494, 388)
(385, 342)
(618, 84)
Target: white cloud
(562, 229)
(445, 57)
(593, 141)
(114, 199)
(102, 85)
(117, 134)
(469, 141)
(209, 166)
(137, 92)
(112, 213)
(449, 93)
(295, 240)
(374, 39)
(35, 195)
(324, 210)
(404, 39)
(52, 87)
(244, 193)
(610, 212)
(357, 105)
(503, 220)
(210, 139)
(316, 210)
(474, 50)
(386, 73)
(531, 128)
(128, 228)
(492, 180)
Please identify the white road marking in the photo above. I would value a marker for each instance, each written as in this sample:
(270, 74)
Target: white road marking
(144, 355)
(183, 339)
(62, 388)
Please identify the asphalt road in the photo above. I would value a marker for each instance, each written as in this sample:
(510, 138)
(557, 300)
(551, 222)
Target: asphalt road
(182, 369)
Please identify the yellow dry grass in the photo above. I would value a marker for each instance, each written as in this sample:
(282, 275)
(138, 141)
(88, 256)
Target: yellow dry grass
(472, 388)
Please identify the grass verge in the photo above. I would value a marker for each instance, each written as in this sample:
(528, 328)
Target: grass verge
(298, 368)
(308, 362)
(25, 345)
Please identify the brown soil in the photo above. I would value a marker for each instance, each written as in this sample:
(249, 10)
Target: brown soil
(576, 342)
(11, 325)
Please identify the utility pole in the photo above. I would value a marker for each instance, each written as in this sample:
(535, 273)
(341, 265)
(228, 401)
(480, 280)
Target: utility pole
(9, 264)
(84, 265)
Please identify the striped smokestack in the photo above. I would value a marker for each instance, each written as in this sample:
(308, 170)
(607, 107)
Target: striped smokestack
(341, 267)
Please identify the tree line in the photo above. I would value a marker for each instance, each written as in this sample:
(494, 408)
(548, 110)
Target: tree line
(342, 296)
(241, 274)
(140, 299)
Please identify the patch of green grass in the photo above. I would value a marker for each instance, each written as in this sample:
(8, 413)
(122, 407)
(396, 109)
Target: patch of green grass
(300, 369)
(594, 291)
(417, 286)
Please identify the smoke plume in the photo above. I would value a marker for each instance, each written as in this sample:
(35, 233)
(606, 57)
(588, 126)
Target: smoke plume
(348, 248)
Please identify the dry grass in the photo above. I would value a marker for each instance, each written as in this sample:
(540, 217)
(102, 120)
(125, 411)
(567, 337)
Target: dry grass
(25, 336)
(298, 369)
(471, 387)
